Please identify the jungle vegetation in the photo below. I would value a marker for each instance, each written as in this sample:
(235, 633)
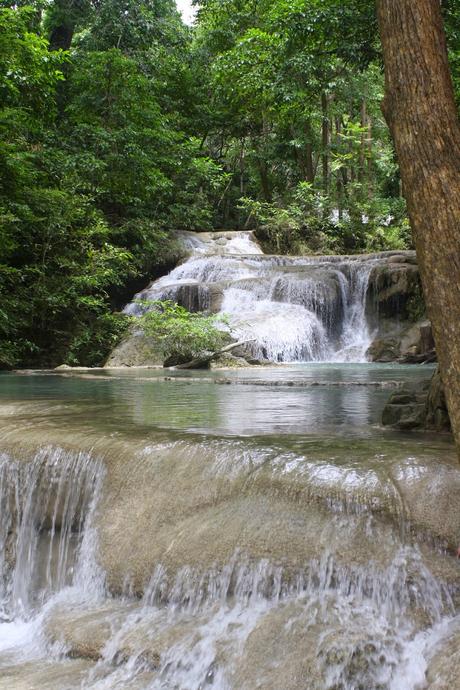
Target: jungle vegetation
(120, 125)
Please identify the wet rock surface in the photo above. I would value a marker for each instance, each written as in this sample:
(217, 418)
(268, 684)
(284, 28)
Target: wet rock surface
(421, 406)
(328, 308)
(395, 311)
(224, 562)
(394, 287)
(442, 672)
(134, 351)
(410, 344)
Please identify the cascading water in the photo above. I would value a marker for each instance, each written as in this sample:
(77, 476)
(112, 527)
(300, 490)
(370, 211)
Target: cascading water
(290, 308)
(236, 566)
(47, 541)
(167, 533)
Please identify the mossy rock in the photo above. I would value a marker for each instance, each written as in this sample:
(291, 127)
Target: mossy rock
(136, 351)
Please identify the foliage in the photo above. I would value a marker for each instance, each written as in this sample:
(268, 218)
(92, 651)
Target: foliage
(95, 173)
(120, 125)
(297, 89)
(182, 335)
(302, 227)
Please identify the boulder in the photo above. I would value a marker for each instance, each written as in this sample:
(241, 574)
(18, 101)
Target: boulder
(229, 361)
(394, 290)
(384, 349)
(192, 296)
(422, 406)
(136, 351)
(395, 312)
(411, 344)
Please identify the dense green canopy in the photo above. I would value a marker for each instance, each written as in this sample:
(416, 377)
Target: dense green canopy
(120, 125)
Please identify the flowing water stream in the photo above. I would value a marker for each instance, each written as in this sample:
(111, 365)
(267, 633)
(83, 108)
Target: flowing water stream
(257, 529)
(291, 308)
(230, 530)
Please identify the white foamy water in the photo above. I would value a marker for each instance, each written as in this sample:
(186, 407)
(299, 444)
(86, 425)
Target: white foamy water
(333, 621)
(291, 308)
(46, 541)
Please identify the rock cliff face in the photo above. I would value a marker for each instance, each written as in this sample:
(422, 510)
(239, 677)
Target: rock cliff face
(395, 311)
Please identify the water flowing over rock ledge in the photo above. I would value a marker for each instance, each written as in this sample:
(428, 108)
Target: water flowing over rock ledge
(189, 535)
(317, 308)
(193, 535)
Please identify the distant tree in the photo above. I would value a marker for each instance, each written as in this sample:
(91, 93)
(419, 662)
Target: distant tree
(421, 112)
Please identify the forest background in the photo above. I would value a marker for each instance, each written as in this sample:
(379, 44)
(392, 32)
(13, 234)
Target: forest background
(121, 125)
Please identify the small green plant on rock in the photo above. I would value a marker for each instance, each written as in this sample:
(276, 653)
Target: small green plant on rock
(180, 334)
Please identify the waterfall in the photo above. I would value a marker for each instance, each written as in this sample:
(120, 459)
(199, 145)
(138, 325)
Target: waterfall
(46, 540)
(252, 530)
(235, 565)
(292, 308)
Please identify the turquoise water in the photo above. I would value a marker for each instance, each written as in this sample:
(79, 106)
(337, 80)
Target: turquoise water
(311, 400)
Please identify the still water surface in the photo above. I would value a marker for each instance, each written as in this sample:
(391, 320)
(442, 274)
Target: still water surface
(314, 400)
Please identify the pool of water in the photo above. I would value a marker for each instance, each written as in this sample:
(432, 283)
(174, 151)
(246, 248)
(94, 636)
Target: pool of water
(314, 400)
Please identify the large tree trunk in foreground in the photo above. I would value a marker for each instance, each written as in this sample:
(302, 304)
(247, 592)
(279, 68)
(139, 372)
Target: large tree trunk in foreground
(420, 110)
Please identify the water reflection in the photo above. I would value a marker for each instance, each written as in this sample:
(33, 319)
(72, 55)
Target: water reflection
(318, 400)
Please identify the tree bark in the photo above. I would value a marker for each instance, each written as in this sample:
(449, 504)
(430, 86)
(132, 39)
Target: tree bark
(420, 109)
(61, 37)
(64, 17)
(340, 176)
(325, 141)
(309, 165)
(363, 148)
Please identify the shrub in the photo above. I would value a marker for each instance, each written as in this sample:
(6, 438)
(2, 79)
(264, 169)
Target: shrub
(182, 335)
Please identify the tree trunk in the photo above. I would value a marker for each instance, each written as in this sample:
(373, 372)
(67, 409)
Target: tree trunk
(264, 180)
(309, 165)
(61, 37)
(420, 110)
(363, 147)
(325, 141)
(63, 15)
(340, 177)
(370, 181)
(310, 171)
